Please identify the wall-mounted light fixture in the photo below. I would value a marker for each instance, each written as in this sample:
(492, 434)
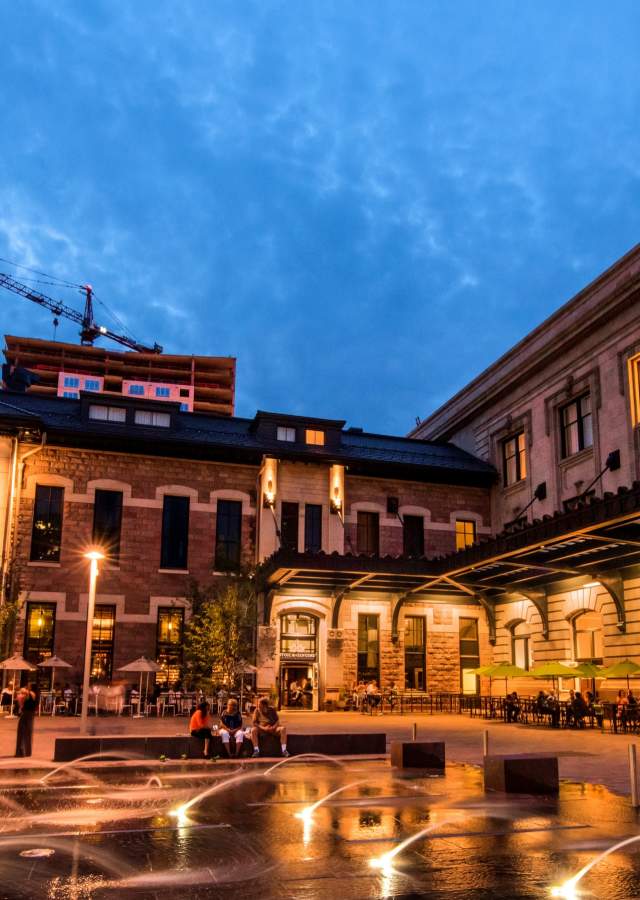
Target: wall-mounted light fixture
(269, 494)
(269, 483)
(336, 491)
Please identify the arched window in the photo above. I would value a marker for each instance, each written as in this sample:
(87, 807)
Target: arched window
(587, 637)
(521, 649)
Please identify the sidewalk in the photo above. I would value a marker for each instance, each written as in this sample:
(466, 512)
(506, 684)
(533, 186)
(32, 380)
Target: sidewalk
(585, 755)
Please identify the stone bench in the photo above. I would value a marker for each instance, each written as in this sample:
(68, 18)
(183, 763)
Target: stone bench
(521, 773)
(418, 755)
(176, 746)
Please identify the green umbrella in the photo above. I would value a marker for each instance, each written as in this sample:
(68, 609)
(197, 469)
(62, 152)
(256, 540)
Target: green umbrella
(622, 669)
(501, 670)
(589, 670)
(553, 670)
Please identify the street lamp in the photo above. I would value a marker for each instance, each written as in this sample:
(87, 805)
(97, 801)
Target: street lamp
(93, 556)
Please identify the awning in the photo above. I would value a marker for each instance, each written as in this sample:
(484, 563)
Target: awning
(597, 542)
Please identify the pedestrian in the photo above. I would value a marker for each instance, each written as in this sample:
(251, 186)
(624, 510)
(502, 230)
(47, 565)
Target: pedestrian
(27, 704)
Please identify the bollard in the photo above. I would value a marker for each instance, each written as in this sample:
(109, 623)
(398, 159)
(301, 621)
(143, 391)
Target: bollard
(414, 736)
(633, 775)
(485, 743)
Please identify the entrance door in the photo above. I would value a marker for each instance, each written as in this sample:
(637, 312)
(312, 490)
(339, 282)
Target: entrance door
(296, 687)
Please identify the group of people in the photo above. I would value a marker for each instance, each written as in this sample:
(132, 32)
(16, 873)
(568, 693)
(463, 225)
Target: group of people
(232, 731)
(367, 696)
(300, 693)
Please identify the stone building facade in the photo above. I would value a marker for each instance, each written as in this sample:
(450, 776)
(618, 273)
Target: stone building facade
(558, 416)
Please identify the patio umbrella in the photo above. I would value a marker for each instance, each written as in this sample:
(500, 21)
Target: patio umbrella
(589, 670)
(501, 670)
(141, 665)
(623, 669)
(244, 668)
(53, 663)
(553, 670)
(15, 663)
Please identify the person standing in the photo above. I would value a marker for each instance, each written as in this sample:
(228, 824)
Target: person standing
(28, 704)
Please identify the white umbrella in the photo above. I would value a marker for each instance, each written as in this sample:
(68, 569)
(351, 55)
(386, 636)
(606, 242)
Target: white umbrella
(15, 663)
(142, 664)
(244, 668)
(53, 663)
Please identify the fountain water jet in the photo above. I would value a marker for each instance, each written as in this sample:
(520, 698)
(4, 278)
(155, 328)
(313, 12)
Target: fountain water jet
(299, 756)
(306, 814)
(385, 861)
(72, 763)
(568, 890)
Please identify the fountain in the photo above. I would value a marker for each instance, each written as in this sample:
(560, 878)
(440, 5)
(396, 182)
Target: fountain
(568, 890)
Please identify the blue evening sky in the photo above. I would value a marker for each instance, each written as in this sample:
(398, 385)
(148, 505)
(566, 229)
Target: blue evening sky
(364, 202)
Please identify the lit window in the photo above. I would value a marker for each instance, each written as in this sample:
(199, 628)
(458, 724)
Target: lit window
(514, 459)
(287, 434)
(162, 392)
(107, 413)
(91, 385)
(465, 533)
(633, 366)
(149, 417)
(70, 395)
(521, 649)
(575, 420)
(136, 390)
(184, 407)
(314, 437)
(587, 637)
(71, 381)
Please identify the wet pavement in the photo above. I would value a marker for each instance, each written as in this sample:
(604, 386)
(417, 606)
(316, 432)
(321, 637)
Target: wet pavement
(218, 831)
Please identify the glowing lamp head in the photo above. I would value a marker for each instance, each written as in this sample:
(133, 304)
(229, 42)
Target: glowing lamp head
(94, 555)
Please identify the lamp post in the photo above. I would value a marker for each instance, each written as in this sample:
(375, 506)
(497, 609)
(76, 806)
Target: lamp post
(93, 556)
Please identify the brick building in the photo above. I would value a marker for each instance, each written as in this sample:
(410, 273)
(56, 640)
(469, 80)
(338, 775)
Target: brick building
(178, 496)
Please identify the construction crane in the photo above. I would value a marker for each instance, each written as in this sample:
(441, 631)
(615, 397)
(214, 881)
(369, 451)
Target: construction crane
(89, 330)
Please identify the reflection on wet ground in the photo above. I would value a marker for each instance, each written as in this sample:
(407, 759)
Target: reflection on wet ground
(306, 830)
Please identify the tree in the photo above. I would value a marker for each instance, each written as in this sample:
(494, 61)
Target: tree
(219, 638)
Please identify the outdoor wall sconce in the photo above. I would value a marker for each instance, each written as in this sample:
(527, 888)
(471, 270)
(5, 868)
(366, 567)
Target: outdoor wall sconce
(336, 491)
(269, 499)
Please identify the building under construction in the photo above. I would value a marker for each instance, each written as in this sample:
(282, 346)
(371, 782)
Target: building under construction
(199, 383)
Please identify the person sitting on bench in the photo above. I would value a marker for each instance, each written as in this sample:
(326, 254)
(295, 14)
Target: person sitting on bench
(200, 725)
(266, 721)
(231, 727)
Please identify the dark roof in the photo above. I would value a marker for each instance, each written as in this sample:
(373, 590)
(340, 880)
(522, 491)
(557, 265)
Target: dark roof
(204, 436)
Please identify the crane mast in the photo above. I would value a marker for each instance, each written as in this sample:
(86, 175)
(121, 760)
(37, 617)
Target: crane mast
(89, 330)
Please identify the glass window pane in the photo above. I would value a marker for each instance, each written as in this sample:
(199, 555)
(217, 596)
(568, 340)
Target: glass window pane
(175, 533)
(46, 535)
(228, 535)
(107, 522)
(39, 631)
(289, 526)
(313, 528)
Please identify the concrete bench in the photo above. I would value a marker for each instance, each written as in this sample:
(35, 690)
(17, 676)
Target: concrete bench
(521, 773)
(418, 755)
(176, 746)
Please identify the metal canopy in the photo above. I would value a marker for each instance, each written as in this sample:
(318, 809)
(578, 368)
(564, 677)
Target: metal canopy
(598, 541)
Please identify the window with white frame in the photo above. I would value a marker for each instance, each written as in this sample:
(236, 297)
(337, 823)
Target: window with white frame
(107, 413)
(521, 649)
(587, 637)
(153, 418)
(286, 434)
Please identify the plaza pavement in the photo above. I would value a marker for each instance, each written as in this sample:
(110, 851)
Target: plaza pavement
(584, 756)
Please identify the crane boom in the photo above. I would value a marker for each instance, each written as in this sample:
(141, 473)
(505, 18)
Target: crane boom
(89, 330)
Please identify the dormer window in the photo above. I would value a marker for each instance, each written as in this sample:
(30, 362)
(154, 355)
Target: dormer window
(286, 434)
(315, 438)
(153, 418)
(107, 413)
